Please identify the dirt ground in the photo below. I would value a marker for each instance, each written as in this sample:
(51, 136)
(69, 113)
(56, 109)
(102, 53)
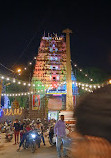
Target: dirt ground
(8, 150)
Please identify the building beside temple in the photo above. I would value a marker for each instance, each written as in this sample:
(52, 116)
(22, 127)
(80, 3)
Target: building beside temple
(49, 79)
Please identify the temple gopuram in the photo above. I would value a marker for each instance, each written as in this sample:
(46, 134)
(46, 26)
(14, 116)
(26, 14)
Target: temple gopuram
(49, 78)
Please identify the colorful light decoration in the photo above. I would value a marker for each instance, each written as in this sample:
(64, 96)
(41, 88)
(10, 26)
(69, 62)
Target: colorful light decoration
(13, 80)
(1, 112)
(30, 63)
(49, 86)
(55, 65)
(8, 112)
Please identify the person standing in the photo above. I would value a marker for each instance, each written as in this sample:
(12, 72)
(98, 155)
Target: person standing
(40, 128)
(26, 132)
(16, 131)
(22, 124)
(59, 131)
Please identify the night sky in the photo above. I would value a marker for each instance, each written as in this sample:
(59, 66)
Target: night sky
(22, 24)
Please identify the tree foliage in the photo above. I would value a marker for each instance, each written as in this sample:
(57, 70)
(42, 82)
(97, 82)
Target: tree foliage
(98, 76)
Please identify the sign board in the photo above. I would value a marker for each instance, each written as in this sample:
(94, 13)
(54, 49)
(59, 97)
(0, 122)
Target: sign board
(36, 102)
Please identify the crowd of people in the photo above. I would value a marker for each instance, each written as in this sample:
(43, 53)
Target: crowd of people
(92, 135)
(52, 129)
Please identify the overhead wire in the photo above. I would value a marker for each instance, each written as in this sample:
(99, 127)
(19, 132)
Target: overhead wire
(6, 67)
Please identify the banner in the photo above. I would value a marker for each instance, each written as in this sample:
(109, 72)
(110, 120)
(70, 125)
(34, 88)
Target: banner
(35, 102)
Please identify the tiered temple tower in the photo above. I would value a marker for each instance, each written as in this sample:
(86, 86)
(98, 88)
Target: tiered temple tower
(50, 66)
(49, 76)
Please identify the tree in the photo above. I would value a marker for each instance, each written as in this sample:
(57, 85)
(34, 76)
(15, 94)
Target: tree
(98, 76)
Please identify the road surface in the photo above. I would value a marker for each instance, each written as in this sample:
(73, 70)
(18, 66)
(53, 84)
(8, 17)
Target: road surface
(8, 150)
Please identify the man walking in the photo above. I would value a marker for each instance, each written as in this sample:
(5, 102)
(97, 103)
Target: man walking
(59, 131)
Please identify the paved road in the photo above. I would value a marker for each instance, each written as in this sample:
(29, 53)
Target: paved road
(8, 150)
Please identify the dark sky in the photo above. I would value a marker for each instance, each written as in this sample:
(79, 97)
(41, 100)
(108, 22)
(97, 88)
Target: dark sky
(22, 24)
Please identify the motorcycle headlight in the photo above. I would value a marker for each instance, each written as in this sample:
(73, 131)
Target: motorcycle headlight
(33, 135)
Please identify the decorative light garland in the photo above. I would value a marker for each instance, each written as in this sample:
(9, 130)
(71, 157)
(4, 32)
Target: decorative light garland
(22, 93)
(19, 82)
(13, 80)
(84, 86)
(79, 84)
(91, 86)
(16, 94)
(86, 75)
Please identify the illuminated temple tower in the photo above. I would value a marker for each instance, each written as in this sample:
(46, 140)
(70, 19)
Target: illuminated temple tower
(49, 77)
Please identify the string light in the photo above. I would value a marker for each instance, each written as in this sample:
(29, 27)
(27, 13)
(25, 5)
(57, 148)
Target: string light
(91, 79)
(30, 63)
(13, 81)
(77, 83)
(49, 85)
(86, 75)
(29, 84)
(2, 77)
(22, 93)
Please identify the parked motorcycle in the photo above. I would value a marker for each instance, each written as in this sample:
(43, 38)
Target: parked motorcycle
(32, 140)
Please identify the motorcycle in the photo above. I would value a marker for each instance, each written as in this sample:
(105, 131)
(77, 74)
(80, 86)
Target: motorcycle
(32, 140)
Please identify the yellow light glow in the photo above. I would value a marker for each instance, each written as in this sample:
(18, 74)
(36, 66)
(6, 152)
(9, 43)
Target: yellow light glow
(109, 81)
(19, 70)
